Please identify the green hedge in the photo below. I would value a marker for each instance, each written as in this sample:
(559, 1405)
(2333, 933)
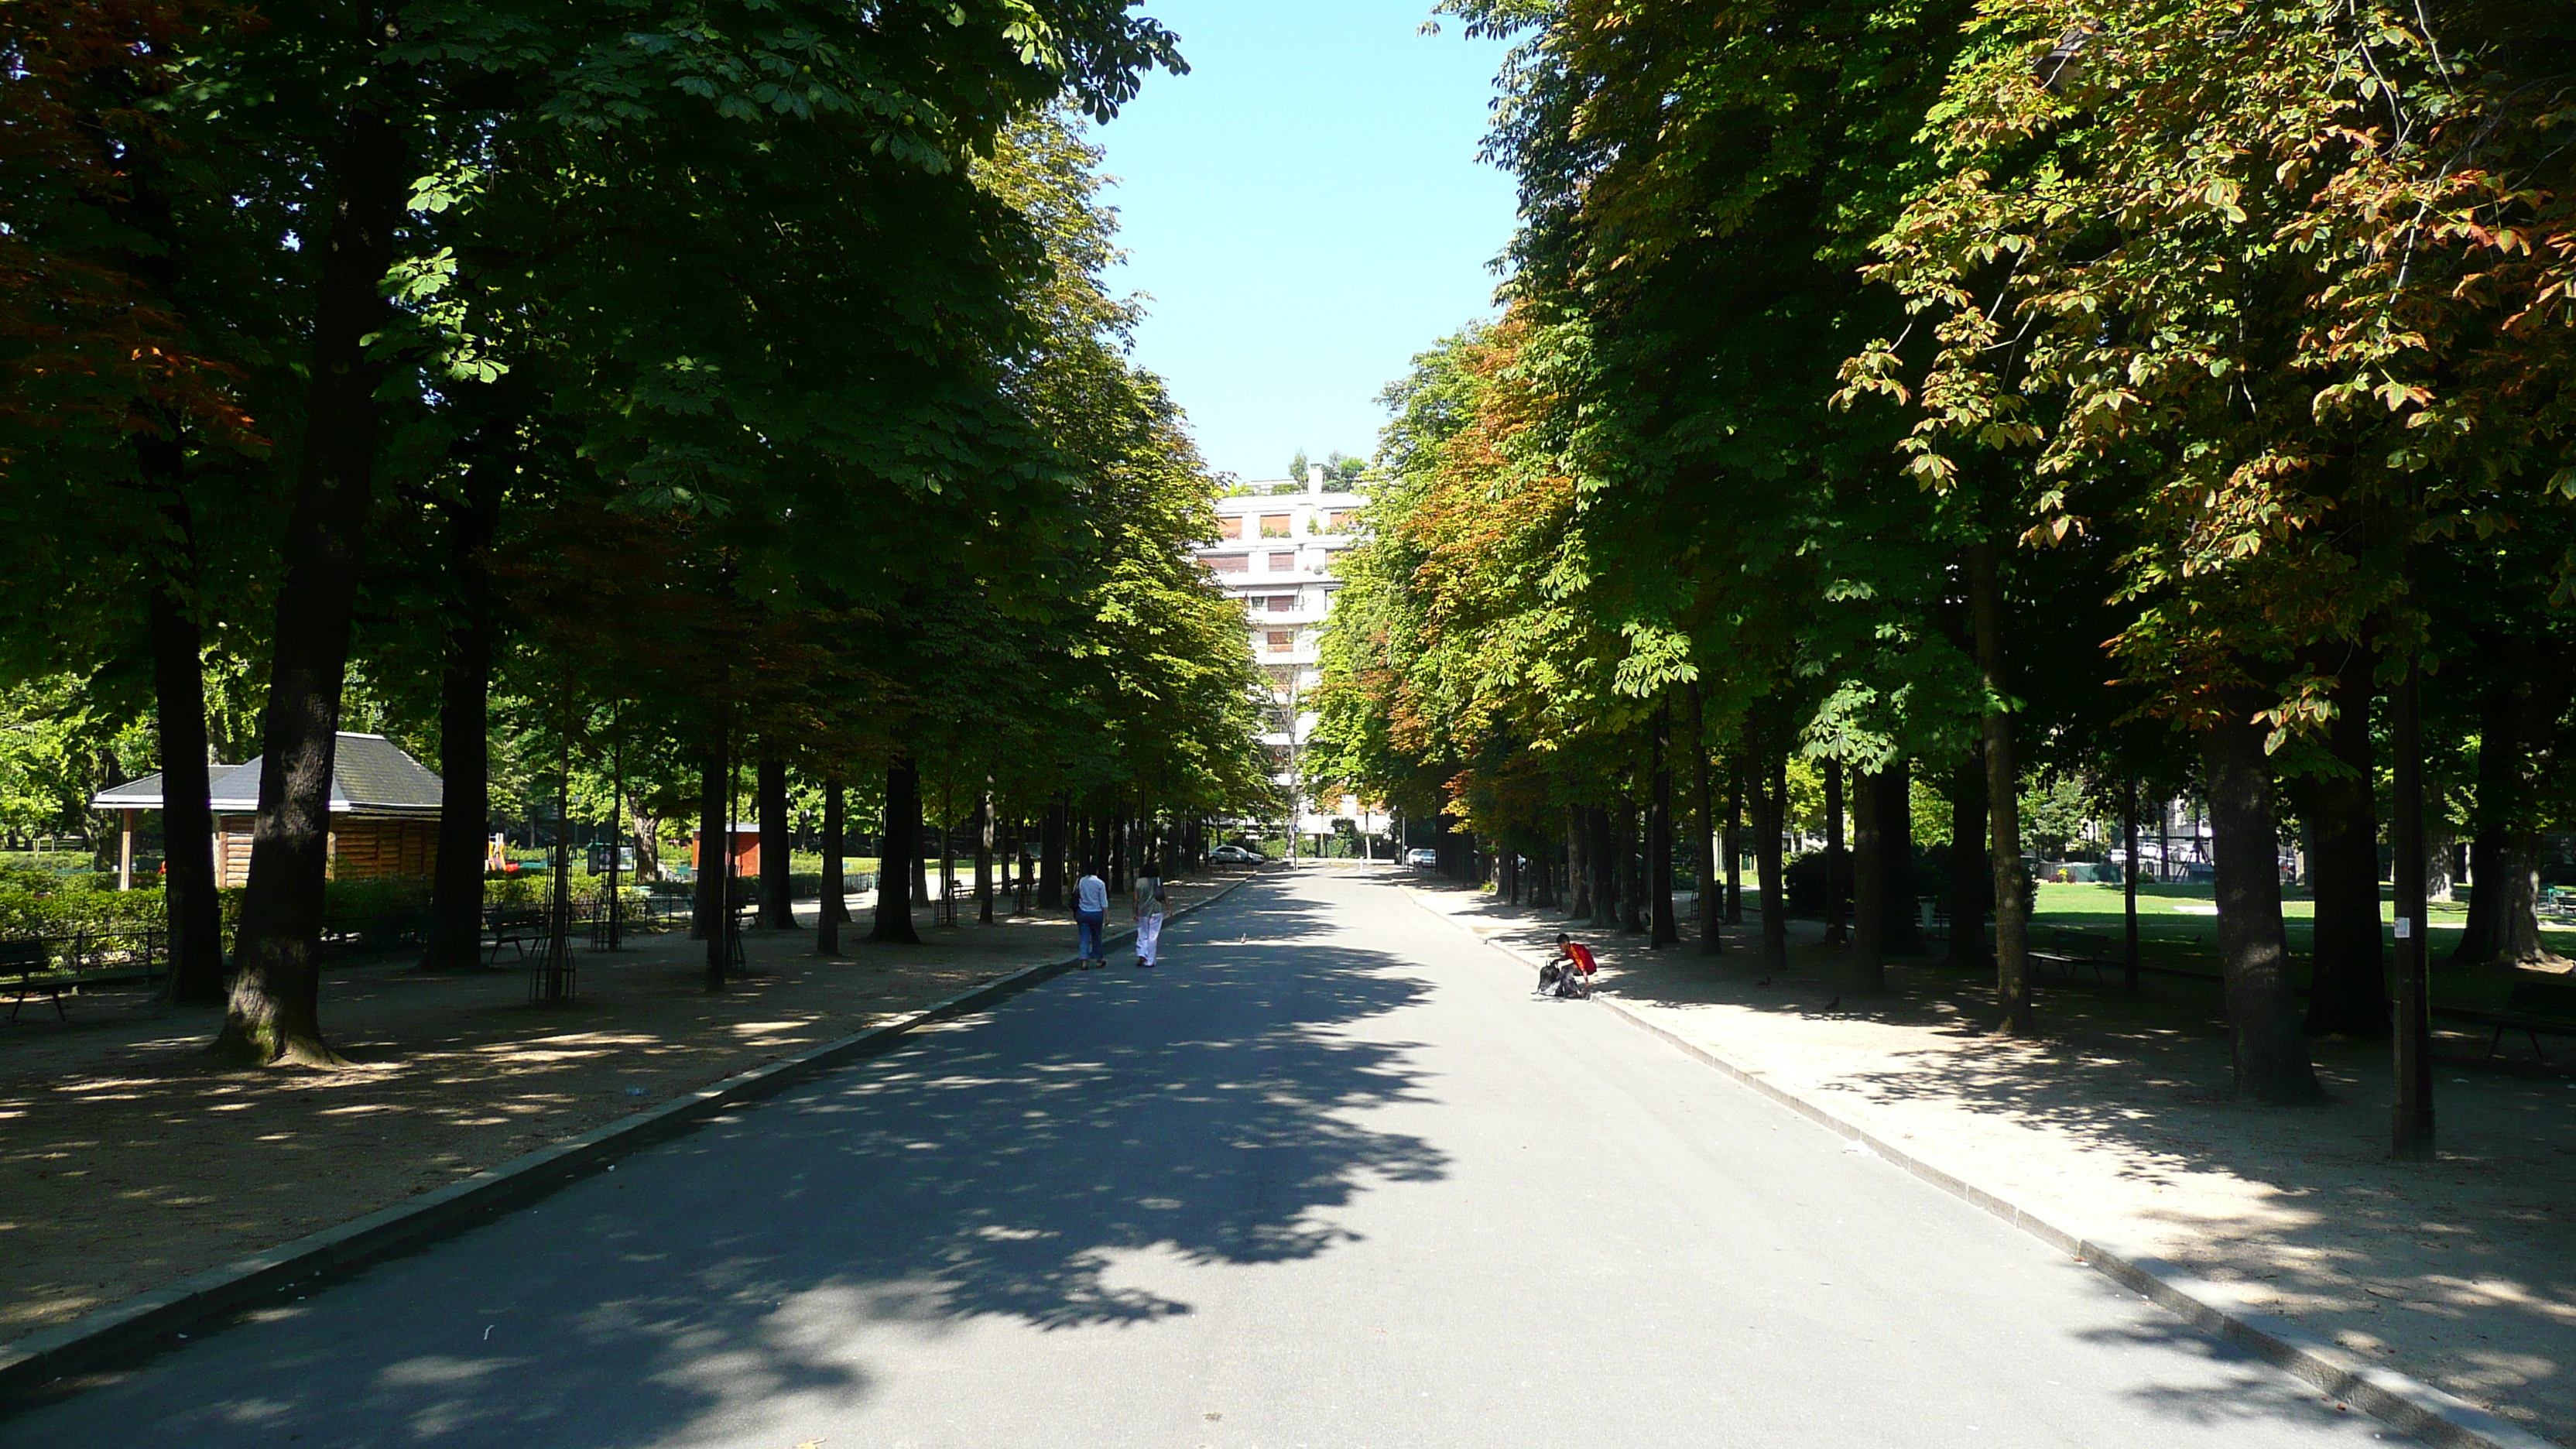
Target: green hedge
(37, 902)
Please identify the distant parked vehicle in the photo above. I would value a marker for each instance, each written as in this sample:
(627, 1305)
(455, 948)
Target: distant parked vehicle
(1422, 855)
(1236, 855)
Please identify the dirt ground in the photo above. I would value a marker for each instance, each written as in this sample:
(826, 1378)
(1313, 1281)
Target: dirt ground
(2117, 1123)
(127, 1159)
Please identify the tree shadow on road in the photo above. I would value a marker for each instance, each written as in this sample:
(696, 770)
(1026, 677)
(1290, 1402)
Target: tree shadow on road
(2253, 1392)
(2453, 1271)
(1012, 1166)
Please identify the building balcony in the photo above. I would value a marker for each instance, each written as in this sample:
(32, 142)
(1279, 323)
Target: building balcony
(1257, 571)
(1298, 618)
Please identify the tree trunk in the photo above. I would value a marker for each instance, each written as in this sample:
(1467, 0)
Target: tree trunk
(465, 772)
(1734, 842)
(189, 891)
(1869, 887)
(1971, 886)
(1007, 875)
(1837, 861)
(2499, 758)
(895, 856)
(1578, 855)
(2487, 850)
(2541, 703)
(1624, 844)
(2410, 1119)
(2348, 981)
(1770, 819)
(1117, 878)
(1704, 830)
(948, 858)
(1903, 927)
(836, 903)
(984, 857)
(1604, 868)
(646, 831)
(274, 1014)
(834, 908)
(2271, 1052)
(918, 851)
(464, 709)
(714, 895)
(613, 896)
(1667, 930)
(1053, 842)
(2164, 841)
(2129, 888)
(777, 858)
(2517, 911)
(2517, 723)
(707, 898)
(2003, 800)
(2439, 844)
(187, 823)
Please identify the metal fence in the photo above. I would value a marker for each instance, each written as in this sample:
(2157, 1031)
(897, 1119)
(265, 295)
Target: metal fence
(142, 953)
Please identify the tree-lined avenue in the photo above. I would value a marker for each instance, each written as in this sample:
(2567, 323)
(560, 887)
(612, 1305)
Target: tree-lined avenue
(1329, 1177)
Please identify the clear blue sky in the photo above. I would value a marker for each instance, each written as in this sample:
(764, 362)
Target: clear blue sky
(1307, 212)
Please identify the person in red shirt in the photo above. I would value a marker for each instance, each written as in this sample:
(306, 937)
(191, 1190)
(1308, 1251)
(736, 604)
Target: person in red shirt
(1570, 974)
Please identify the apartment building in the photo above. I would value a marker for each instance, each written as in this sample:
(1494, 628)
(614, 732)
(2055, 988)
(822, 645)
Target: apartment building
(1276, 542)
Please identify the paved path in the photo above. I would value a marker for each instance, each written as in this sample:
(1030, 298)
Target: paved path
(1330, 1177)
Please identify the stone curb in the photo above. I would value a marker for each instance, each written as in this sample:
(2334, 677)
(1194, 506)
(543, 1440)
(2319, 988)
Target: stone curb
(29, 1364)
(2403, 1403)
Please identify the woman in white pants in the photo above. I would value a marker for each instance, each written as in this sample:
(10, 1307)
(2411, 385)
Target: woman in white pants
(1149, 903)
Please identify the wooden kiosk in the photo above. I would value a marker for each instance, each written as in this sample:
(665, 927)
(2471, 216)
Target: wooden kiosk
(384, 813)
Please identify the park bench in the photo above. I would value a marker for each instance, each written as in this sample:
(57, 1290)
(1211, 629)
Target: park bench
(2072, 947)
(515, 927)
(2536, 1007)
(28, 960)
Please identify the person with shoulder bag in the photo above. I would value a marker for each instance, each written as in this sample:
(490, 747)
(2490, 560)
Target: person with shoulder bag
(1150, 904)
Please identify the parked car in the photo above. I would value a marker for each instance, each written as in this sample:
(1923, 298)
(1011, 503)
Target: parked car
(1236, 855)
(1422, 855)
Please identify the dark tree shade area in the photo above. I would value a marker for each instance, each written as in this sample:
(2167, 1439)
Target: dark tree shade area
(646, 442)
(1980, 430)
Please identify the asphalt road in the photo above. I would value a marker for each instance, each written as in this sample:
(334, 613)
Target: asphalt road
(1329, 1177)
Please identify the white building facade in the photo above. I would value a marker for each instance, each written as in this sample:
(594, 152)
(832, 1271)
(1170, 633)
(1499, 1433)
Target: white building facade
(1276, 543)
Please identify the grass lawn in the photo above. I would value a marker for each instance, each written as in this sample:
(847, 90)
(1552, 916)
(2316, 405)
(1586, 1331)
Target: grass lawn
(855, 864)
(2178, 926)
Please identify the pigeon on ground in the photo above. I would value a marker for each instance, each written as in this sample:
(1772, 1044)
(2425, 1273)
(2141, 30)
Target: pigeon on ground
(1836, 1003)
(1765, 981)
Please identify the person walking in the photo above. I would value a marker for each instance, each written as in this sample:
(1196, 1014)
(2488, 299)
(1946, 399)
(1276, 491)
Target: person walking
(1091, 912)
(1149, 902)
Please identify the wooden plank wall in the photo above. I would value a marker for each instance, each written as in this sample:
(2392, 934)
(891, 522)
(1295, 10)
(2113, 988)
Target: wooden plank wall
(374, 849)
(232, 849)
(360, 849)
